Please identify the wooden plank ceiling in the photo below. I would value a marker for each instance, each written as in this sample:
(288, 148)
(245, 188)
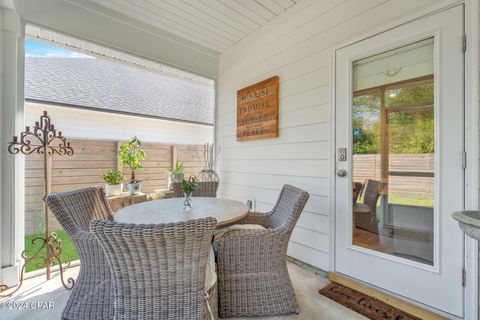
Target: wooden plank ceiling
(215, 24)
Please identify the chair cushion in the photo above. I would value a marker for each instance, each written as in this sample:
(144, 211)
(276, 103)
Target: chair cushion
(361, 208)
(211, 273)
(217, 234)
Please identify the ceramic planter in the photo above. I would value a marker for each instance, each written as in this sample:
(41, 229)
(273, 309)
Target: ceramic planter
(113, 189)
(174, 177)
(134, 187)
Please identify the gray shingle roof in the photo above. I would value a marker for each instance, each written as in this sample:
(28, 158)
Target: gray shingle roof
(101, 84)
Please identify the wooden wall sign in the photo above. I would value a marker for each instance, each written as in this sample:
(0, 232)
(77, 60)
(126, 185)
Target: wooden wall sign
(257, 111)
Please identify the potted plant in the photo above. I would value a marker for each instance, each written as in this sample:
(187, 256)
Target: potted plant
(176, 175)
(113, 179)
(188, 186)
(130, 155)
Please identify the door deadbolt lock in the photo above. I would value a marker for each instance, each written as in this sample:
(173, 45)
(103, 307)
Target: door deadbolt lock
(342, 154)
(341, 172)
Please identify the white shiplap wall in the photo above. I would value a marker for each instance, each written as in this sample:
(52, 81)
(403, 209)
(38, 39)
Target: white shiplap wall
(478, 283)
(297, 46)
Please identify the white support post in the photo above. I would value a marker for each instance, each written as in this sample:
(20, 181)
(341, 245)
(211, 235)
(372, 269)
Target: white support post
(11, 167)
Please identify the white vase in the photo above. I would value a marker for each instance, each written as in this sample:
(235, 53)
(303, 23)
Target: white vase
(134, 187)
(113, 189)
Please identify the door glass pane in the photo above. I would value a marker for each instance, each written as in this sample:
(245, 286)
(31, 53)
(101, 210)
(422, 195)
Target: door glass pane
(393, 152)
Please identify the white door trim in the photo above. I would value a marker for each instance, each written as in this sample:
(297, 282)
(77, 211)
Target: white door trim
(471, 147)
(471, 134)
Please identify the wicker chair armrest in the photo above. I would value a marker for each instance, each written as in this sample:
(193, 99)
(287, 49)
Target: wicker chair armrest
(252, 250)
(81, 235)
(257, 218)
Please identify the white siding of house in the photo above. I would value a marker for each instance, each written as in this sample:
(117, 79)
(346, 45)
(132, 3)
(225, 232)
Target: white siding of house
(87, 124)
(297, 46)
(478, 280)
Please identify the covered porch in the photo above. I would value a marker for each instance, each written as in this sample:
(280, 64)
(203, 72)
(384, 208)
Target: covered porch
(368, 109)
(51, 297)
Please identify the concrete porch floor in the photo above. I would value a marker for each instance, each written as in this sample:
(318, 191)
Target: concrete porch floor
(306, 282)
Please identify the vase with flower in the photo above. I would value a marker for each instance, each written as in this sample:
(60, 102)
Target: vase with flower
(188, 186)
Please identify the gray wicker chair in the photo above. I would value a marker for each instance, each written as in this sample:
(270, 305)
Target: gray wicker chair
(253, 278)
(92, 295)
(203, 189)
(365, 214)
(159, 269)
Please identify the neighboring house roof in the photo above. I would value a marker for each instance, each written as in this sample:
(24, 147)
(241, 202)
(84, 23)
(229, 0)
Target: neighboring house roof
(101, 84)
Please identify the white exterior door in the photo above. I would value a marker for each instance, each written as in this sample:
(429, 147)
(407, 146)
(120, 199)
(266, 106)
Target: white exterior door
(399, 175)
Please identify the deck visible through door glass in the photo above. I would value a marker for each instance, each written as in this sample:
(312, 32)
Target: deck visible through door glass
(393, 152)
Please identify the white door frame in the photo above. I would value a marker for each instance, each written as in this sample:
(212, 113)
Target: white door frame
(471, 135)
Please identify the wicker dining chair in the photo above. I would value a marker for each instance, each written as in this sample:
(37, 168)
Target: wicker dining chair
(252, 269)
(203, 189)
(365, 214)
(356, 191)
(92, 295)
(159, 270)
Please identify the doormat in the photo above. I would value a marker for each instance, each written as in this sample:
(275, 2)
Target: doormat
(367, 306)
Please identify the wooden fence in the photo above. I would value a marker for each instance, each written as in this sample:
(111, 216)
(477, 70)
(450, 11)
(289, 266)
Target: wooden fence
(90, 160)
(420, 188)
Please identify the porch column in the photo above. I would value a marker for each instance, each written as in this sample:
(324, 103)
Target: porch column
(11, 167)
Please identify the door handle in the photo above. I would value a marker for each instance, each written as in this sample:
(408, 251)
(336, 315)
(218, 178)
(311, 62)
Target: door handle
(341, 172)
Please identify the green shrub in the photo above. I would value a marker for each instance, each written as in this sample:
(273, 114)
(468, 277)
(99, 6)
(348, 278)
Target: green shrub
(112, 176)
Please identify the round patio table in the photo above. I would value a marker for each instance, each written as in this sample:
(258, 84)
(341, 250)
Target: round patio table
(227, 212)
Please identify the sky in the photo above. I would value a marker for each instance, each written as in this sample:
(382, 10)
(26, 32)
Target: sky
(39, 49)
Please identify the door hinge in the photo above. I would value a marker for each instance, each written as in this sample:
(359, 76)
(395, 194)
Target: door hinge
(464, 277)
(464, 43)
(464, 160)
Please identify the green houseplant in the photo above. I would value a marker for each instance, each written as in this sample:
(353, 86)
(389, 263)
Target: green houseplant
(130, 153)
(176, 174)
(113, 179)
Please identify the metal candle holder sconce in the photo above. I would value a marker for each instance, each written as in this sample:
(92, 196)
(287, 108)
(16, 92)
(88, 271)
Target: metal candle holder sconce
(44, 140)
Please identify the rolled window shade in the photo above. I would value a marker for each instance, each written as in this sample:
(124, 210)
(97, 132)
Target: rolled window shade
(408, 62)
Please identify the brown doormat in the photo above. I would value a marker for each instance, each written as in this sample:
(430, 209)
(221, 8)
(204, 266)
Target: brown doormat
(367, 306)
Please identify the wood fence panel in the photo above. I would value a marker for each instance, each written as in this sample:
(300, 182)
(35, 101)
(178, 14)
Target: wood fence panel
(90, 160)
(190, 157)
(368, 167)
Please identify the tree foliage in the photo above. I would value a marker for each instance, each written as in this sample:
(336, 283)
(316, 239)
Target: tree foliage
(410, 130)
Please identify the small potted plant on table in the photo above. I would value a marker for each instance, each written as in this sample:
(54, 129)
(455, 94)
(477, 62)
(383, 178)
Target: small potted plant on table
(113, 179)
(188, 186)
(130, 155)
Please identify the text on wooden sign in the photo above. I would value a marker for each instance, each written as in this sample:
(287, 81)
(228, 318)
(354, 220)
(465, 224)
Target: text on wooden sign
(257, 111)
